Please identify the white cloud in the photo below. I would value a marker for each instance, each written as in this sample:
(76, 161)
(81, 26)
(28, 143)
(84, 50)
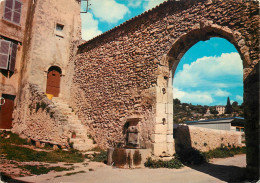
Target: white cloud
(109, 10)
(134, 3)
(196, 97)
(208, 71)
(152, 3)
(89, 27)
(239, 98)
(222, 93)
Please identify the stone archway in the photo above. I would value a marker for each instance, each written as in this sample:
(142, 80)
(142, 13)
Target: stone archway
(163, 144)
(138, 62)
(250, 81)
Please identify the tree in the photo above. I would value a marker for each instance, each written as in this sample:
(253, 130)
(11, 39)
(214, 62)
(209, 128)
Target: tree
(213, 111)
(176, 101)
(234, 104)
(228, 107)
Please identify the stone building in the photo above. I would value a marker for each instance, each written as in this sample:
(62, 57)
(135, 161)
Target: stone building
(12, 32)
(38, 39)
(221, 109)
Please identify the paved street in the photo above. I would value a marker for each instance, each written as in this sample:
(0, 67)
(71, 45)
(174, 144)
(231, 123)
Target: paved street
(217, 170)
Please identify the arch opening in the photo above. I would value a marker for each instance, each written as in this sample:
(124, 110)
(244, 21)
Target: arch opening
(178, 51)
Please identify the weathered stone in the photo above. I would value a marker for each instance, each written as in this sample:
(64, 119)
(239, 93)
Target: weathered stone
(37, 144)
(55, 147)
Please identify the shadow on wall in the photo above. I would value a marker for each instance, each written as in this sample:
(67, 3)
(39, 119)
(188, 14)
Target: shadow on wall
(6, 73)
(194, 159)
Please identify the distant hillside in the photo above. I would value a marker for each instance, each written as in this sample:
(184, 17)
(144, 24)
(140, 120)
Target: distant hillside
(188, 112)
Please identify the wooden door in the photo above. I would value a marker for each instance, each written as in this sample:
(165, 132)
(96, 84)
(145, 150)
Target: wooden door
(6, 112)
(53, 83)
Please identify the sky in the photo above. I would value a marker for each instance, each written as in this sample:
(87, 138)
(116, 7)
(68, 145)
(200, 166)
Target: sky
(207, 74)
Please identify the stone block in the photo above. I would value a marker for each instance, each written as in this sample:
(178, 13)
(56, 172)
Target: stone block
(159, 138)
(110, 155)
(159, 149)
(160, 109)
(55, 147)
(169, 108)
(128, 158)
(37, 144)
(160, 129)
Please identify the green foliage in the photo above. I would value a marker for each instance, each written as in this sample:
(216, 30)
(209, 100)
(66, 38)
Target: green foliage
(51, 114)
(173, 163)
(187, 112)
(224, 152)
(213, 111)
(191, 156)
(39, 105)
(8, 146)
(101, 157)
(13, 138)
(195, 157)
(24, 154)
(41, 169)
(176, 101)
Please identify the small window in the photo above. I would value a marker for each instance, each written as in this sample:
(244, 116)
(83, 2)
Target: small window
(59, 27)
(12, 11)
(8, 51)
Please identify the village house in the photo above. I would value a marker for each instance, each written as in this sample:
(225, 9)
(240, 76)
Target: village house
(221, 109)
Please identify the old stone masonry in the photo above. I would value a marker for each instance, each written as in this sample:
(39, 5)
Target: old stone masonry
(116, 89)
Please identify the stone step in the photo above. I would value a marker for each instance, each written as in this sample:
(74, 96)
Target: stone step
(83, 147)
(64, 108)
(65, 112)
(81, 142)
(73, 117)
(77, 140)
(74, 121)
(78, 129)
(60, 105)
(56, 99)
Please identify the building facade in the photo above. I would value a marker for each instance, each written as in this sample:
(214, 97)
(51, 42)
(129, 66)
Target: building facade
(37, 41)
(13, 15)
(221, 109)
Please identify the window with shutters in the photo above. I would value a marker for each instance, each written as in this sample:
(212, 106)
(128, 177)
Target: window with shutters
(8, 51)
(12, 11)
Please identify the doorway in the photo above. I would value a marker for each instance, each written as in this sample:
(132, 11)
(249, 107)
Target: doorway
(53, 81)
(6, 111)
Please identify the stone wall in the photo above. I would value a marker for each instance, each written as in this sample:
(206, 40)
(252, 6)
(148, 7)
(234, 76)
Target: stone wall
(204, 139)
(39, 120)
(128, 70)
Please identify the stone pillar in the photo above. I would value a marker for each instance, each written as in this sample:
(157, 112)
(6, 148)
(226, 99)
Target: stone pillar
(251, 110)
(163, 136)
(169, 112)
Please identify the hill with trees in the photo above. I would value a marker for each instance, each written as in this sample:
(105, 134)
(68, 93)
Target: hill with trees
(188, 112)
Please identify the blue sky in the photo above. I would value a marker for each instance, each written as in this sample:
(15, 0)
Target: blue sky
(215, 64)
